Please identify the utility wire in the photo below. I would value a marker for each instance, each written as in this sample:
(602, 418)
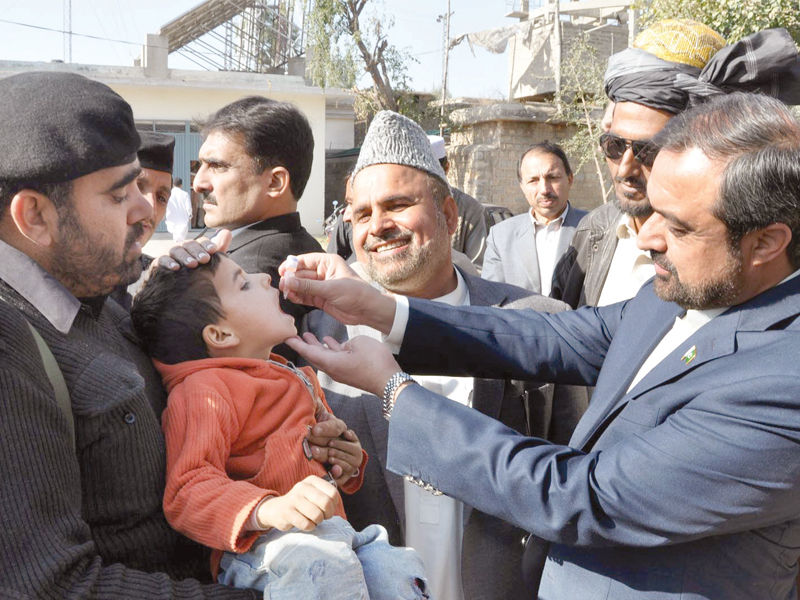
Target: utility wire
(86, 35)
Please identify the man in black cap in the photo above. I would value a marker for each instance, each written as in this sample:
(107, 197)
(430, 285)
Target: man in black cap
(82, 467)
(155, 184)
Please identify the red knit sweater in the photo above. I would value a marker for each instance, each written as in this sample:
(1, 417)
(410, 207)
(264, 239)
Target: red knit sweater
(234, 430)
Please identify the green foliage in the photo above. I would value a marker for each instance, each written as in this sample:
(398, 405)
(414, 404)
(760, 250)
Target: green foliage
(344, 42)
(732, 19)
(333, 61)
(579, 103)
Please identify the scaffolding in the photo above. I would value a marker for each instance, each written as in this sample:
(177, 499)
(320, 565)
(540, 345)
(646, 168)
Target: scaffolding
(240, 35)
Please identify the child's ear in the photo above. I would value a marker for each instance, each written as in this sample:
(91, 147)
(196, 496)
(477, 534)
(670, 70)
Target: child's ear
(219, 338)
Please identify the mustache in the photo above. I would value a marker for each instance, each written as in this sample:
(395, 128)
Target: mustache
(661, 260)
(134, 234)
(636, 182)
(389, 236)
(210, 199)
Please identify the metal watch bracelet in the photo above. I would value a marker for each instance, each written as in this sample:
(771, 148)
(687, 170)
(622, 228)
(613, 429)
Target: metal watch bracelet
(395, 381)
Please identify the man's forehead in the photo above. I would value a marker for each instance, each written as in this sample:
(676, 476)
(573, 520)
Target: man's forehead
(219, 141)
(537, 160)
(683, 180)
(635, 121)
(387, 179)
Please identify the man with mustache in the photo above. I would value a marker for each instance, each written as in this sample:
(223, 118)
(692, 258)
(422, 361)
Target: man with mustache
(82, 468)
(255, 162)
(155, 184)
(524, 250)
(403, 216)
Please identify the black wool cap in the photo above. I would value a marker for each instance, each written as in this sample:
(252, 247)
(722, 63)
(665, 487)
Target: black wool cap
(56, 127)
(156, 151)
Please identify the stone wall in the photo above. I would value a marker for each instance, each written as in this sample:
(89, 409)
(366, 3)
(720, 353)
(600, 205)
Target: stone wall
(486, 144)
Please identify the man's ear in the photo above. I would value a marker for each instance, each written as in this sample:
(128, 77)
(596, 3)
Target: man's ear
(277, 181)
(450, 209)
(35, 217)
(219, 339)
(767, 244)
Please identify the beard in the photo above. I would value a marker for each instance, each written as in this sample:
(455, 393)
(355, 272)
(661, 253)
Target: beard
(718, 289)
(85, 264)
(634, 205)
(413, 265)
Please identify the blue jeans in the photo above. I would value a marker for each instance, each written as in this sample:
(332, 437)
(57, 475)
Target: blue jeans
(332, 562)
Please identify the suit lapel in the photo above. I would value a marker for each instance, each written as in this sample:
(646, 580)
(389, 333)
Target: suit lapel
(715, 339)
(528, 255)
(632, 344)
(281, 223)
(379, 431)
(487, 394)
(567, 231)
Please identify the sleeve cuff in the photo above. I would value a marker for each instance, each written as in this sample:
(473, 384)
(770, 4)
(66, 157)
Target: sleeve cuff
(395, 338)
(252, 523)
(354, 484)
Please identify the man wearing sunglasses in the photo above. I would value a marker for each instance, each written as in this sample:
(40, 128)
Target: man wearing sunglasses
(672, 65)
(605, 265)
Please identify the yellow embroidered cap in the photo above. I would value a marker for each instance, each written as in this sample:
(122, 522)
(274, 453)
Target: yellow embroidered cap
(680, 41)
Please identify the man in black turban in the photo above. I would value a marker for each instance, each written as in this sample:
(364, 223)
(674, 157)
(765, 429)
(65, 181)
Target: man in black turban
(675, 63)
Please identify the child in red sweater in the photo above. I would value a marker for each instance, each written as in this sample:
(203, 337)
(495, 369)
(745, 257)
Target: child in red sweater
(241, 477)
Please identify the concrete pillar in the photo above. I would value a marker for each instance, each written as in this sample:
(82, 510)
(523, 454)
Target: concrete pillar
(155, 54)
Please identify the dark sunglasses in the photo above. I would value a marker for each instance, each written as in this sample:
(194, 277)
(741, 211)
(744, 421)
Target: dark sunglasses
(614, 147)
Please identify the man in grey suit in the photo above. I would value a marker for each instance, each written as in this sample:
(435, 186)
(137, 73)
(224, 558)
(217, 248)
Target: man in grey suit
(403, 216)
(524, 250)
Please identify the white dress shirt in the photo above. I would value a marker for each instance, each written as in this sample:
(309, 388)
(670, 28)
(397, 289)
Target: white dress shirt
(547, 236)
(630, 267)
(179, 213)
(435, 524)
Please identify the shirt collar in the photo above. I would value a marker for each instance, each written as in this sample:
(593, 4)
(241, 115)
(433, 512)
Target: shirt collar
(38, 287)
(559, 219)
(238, 230)
(459, 296)
(625, 228)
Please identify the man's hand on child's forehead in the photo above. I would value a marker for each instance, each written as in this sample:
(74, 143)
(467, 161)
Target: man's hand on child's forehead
(195, 252)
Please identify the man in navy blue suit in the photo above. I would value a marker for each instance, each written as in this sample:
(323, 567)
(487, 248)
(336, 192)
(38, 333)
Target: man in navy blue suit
(682, 480)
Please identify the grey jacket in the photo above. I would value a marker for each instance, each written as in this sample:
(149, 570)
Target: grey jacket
(470, 236)
(581, 272)
(511, 250)
(492, 549)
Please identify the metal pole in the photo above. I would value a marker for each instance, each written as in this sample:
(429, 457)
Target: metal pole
(557, 44)
(444, 74)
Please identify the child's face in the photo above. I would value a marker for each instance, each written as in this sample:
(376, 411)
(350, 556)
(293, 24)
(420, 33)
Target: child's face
(252, 310)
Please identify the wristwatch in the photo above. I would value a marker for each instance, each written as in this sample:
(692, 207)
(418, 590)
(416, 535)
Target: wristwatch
(391, 387)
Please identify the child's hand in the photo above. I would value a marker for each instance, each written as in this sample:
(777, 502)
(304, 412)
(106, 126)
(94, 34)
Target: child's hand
(307, 504)
(344, 456)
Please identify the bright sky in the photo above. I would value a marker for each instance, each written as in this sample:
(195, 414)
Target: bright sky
(482, 74)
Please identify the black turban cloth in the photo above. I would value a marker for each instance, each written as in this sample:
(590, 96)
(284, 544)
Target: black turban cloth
(765, 62)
